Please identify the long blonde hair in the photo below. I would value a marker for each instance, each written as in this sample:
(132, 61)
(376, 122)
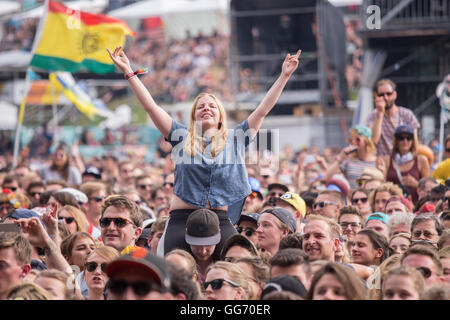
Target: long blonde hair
(78, 215)
(194, 141)
(369, 147)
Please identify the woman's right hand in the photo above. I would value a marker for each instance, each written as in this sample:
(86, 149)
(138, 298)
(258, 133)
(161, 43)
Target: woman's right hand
(380, 105)
(120, 59)
(345, 152)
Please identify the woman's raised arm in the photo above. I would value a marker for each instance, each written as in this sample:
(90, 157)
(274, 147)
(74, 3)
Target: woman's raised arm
(256, 118)
(159, 116)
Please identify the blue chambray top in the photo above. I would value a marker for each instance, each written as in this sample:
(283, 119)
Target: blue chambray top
(221, 180)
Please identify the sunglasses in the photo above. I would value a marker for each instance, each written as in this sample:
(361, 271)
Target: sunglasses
(145, 186)
(275, 194)
(13, 189)
(322, 204)
(426, 272)
(248, 231)
(401, 138)
(353, 225)
(447, 150)
(34, 194)
(217, 284)
(361, 182)
(426, 234)
(382, 94)
(5, 206)
(140, 288)
(92, 266)
(168, 183)
(68, 220)
(97, 199)
(119, 222)
(356, 200)
(229, 259)
(436, 199)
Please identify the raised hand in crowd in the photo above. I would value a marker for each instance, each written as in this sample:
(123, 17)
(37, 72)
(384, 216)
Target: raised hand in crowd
(380, 105)
(290, 63)
(50, 219)
(120, 59)
(381, 165)
(34, 231)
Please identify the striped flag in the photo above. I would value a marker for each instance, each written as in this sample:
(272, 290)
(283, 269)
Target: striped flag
(65, 83)
(70, 40)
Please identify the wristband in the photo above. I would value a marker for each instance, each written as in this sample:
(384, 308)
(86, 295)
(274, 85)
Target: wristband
(138, 71)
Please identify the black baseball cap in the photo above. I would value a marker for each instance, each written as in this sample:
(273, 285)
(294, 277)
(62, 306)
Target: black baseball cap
(93, 171)
(284, 283)
(284, 216)
(252, 217)
(202, 228)
(143, 259)
(278, 185)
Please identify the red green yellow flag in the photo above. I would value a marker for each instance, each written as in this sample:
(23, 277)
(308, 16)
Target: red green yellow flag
(70, 40)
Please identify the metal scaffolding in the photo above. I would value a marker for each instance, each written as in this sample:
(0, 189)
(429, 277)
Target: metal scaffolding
(319, 82)
(415, 36)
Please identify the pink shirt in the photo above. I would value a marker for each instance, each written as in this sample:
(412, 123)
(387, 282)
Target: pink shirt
(402, 117)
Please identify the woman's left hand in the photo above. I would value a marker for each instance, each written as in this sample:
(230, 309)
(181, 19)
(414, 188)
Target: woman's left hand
(34, 232)
(410, 181)
(290, 64)
(50, 219)
(380, 165)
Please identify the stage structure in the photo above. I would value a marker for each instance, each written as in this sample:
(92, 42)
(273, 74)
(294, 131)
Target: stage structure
(263, 31)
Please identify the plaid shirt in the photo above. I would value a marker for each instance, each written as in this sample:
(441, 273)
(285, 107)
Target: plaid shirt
(388, 126)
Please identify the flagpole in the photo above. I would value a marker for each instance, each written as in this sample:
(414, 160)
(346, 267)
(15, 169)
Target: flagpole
(441, 129)
(27, 88)
(55, 114)
(20, 118)
(442, 94)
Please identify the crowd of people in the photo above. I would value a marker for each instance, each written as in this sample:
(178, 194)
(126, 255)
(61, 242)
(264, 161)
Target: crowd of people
(18, 34)
(180, 68)
(370, 221)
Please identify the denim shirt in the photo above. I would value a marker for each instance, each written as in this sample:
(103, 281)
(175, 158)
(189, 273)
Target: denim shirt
(221, 180)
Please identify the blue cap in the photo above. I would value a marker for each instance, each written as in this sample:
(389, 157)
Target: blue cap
(404, 129)
(254, 184)
(25, 214)
(363, 130)
(334, 187)
(383, 217)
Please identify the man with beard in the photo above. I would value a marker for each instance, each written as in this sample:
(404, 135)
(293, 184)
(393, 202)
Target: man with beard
(387, 116)
(321, 237)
